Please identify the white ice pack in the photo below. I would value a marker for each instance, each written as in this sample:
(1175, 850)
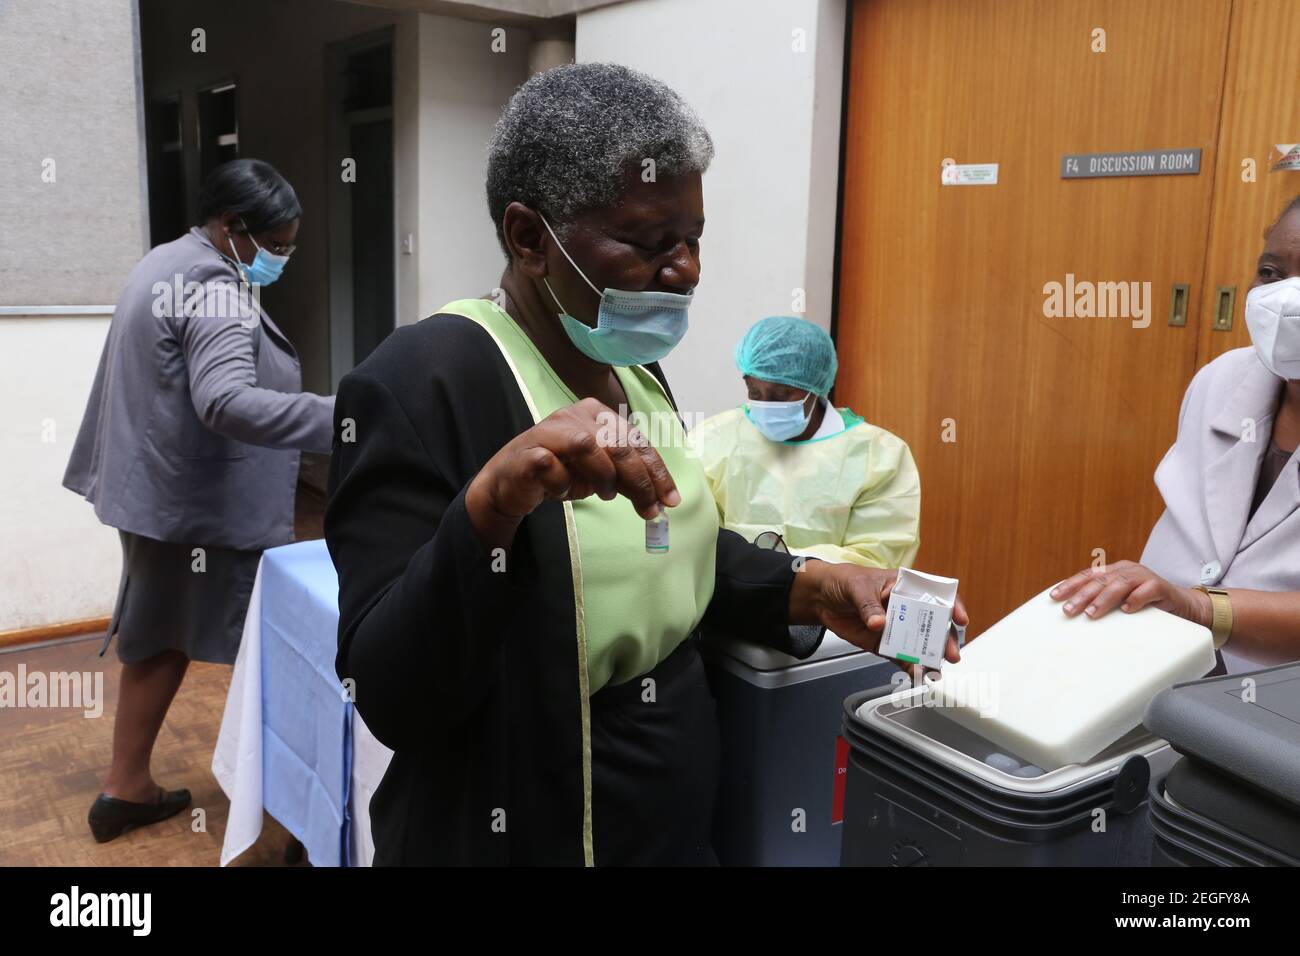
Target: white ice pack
(1056, 690)
(917, 619)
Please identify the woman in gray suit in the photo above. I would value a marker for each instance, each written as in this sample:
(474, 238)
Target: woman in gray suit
(189, 447)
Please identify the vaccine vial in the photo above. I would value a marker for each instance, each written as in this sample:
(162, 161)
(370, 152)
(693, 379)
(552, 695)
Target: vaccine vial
(656, 533)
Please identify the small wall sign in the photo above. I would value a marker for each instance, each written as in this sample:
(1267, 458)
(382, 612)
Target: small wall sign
(969, 174)
(1147, 162)
(1285, 156)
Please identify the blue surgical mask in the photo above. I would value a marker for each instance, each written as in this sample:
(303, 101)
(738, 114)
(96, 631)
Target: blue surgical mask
(780, 421)
(265, 268)
(632, 328)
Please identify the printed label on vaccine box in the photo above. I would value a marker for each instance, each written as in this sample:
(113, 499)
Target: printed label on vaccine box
(917, 619)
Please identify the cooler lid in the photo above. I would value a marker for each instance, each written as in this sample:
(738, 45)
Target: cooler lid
(1247, 725)
(1059, 691)
(763, 658)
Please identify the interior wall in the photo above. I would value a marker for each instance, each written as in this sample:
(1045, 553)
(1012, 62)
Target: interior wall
(464, 83)
(57, 562)
(766, 77)
(69, 95)
(69, 111)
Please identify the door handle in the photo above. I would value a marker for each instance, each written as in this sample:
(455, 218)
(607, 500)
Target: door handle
(1178, 304)
(1225, 302)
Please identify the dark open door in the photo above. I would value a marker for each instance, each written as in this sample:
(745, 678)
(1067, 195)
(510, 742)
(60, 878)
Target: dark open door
(362, 237)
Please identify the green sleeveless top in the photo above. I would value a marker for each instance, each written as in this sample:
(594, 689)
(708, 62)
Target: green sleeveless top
(634, 607)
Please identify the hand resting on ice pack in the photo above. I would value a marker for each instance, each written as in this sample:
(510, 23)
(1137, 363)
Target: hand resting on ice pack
(1263, 624)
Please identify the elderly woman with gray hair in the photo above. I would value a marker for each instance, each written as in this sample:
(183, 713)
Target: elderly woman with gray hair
(522, 639)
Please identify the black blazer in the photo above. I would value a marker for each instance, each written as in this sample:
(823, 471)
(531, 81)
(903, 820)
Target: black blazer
(471, 675)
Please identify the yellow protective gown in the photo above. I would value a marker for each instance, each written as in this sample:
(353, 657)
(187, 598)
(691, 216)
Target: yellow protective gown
(853, 496)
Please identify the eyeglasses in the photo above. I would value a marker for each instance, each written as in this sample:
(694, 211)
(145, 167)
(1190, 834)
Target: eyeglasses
(271, 246)
(279, 249)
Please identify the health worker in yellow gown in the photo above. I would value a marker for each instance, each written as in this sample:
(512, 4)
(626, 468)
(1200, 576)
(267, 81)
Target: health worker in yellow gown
(832, 485)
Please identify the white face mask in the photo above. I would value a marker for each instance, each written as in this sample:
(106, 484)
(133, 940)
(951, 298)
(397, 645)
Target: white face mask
(1273, 318)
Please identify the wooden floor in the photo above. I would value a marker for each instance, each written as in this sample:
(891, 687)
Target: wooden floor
(52, 761)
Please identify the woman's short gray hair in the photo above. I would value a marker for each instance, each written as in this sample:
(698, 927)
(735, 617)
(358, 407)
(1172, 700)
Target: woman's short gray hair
(565, 140)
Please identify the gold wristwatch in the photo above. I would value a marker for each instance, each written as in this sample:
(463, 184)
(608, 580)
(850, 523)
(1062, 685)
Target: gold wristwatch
(1221, 624)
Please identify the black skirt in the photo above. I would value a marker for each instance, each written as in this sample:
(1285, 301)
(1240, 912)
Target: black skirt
(655, 754)
(164, 602)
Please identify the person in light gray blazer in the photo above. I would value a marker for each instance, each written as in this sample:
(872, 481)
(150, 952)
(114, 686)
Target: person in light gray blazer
(189, 447)
(1226, 551)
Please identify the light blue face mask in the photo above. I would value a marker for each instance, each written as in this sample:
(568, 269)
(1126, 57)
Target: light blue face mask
(632, 328)
(265, 268)
(780, 421)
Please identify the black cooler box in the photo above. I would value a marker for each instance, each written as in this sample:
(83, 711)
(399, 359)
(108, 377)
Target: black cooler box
(1233, 799)
(919, 793)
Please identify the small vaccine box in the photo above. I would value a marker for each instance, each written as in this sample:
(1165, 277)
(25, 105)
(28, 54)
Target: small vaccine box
(917, 618)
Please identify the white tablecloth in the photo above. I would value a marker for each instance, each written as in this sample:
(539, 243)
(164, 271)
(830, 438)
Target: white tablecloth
(238, 759)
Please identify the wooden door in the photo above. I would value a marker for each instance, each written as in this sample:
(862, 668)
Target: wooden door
(942, 333)
(1261, 108)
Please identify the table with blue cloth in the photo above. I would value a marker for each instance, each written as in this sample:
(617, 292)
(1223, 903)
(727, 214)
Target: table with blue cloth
(291, 741)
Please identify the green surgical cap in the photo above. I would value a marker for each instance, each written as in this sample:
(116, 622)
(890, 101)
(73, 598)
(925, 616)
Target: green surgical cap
(791, 351)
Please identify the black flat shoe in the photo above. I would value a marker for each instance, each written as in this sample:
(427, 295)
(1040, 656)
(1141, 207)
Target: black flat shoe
(110, 817)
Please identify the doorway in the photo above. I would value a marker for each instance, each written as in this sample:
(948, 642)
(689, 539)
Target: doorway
(359, 175)
(1036, 435)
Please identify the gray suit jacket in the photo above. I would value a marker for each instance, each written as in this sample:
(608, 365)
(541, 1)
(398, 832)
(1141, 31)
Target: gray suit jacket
(196, 417)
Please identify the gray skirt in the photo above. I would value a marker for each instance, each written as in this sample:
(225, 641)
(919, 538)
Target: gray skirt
(164, 602)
